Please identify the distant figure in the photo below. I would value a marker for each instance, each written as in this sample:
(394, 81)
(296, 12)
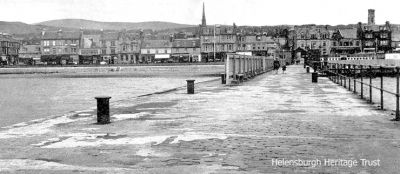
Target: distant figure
(276, 66)
(283, 69)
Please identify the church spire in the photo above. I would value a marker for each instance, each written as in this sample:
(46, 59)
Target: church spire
(203, 20)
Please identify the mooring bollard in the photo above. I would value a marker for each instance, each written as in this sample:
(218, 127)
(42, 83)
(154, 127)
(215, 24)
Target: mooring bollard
(103, 109)
(223, 79)
(308, 69)
(190, 86)
(314, 77)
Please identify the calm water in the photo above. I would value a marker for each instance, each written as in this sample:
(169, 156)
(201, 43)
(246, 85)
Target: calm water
(28, 98)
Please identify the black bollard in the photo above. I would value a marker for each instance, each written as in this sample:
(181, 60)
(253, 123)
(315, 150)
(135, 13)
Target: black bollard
(190, 86)
(314, 77)
(103, 109)
(308, 69)
(223, 78)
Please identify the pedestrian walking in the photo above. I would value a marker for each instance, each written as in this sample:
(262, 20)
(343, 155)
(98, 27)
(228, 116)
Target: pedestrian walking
(276, 66)
(283, 69)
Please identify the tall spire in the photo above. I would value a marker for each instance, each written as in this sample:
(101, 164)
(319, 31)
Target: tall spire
(203, 20)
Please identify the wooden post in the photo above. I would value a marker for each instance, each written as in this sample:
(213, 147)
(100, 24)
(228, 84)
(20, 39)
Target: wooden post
(362, 85)
(349, 70)
(227, 73)
(370, 84)
(264, 65)
(344, 71)
(240, 65)
(354, 80)
(341, 73)
(380, 68)
(397, 95)
(234, 67)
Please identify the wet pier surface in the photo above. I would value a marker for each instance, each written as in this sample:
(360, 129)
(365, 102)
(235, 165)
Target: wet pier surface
(219, 129)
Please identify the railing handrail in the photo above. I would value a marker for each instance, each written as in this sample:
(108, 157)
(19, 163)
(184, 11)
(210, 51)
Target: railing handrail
(340, 75)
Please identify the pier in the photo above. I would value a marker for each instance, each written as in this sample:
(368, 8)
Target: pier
(218, 129)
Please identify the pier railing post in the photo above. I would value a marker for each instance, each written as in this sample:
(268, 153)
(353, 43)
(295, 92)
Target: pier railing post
(381, 72)
(234, 67)
(344, 76)
(240, 65)
(362, 83)
(341, 74)
(337, 73)
(397, 95)
(349, 75)
(227, 73)
(370, 84)
(354, 81)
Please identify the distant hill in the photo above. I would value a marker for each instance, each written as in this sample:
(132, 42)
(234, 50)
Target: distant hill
(96, 25)
(20, 28)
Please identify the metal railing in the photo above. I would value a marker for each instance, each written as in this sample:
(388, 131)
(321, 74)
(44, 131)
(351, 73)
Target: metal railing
(344, 74)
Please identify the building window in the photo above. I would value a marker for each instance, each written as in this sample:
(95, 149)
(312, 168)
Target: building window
(357, 43)
(73, 50)
(165, 51)
(334, 44)
(369, 44)
(369, 36)
(324, 44)
(112, 43)
(54, 43)
(384, 42)
(65, 50)
(103, 51)
(112, 51)
(384, 35)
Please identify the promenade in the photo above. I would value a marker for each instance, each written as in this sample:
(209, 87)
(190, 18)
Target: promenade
(219, 129)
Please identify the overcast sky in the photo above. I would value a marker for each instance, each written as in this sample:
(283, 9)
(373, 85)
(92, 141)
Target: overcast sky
(242, 12)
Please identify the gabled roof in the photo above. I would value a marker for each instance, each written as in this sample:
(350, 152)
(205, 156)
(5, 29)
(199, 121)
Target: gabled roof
(109, 36)
(157, 44)
(348, 33)
(57, 35)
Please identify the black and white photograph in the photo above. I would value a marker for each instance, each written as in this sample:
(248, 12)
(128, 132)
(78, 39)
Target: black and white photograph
(199, 87)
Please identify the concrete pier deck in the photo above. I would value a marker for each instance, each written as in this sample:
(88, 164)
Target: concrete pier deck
(219, 129)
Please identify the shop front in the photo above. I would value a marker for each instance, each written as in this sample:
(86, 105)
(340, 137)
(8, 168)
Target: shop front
(161, 58)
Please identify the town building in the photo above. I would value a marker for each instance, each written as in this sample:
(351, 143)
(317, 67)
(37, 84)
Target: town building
(109, 47)
(256, 44)
(186, 50)
(60, 47)
(30, 53)
(129, 47)
(217, 41)
(345, 41)
(156, 51)
(90, 49)
(396, 40)
(9, 50)
(313, 38)
(375, 38)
